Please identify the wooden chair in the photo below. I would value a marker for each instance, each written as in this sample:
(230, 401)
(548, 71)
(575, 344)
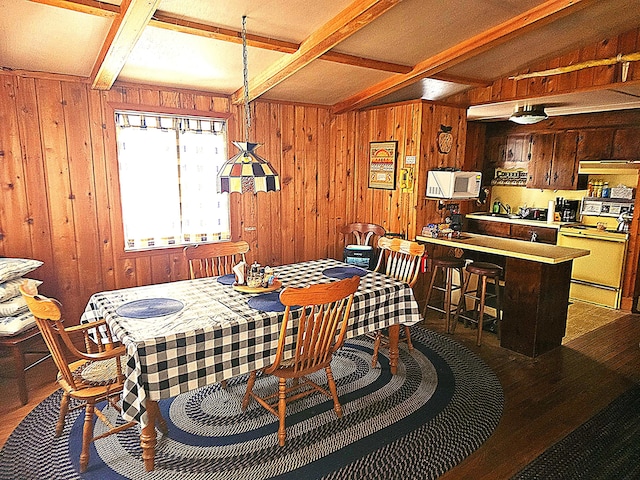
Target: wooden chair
(321, 330)
(214, 259)
(401, 260)
(89, 376)
(364, 233)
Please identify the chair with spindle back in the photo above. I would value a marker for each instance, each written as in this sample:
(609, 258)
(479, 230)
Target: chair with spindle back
(214, 259)
(320, 331)
(90, 375)
(401, 260)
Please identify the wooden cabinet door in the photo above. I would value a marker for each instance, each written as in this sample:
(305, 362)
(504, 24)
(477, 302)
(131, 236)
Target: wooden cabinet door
(564, 166)
(517, 150)
(595, 144)
(540, 163)
(626, 143)
(526, 232)
(488, 227)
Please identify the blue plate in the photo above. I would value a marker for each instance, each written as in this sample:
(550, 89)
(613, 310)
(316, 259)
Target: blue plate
(149, 308)
(227, 279)
(344, 272)
(268, 302)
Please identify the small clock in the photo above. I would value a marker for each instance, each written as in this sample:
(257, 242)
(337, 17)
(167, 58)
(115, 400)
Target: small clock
(445, 139)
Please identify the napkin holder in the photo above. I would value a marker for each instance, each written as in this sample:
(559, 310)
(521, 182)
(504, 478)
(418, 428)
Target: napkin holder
(239, 271)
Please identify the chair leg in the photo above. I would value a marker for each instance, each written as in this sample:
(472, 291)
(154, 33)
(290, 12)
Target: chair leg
(334, 391)
(87, 435)
(483, 295)
(282, 411)
(498, 308)
(407, 337)
(429, 291)
(462, 302)
(376, 347)
(64, 409)
(247, 393)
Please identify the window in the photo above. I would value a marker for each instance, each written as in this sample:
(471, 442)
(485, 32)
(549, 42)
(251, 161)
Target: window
(168, 179)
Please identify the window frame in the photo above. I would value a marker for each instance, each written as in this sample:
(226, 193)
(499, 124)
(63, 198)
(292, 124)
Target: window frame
(116, 216)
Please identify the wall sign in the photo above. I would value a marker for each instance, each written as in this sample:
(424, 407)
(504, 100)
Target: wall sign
(382, 165)
(445, 139)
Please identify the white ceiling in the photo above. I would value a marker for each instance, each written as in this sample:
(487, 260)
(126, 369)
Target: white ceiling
(41, 36)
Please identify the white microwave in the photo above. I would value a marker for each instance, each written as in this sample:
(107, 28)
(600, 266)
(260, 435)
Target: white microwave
(453, 184)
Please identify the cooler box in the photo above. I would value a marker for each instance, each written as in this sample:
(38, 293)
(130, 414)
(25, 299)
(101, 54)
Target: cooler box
(360, 255)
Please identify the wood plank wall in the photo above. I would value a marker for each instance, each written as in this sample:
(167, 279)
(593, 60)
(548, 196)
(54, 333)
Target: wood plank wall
(59, 191)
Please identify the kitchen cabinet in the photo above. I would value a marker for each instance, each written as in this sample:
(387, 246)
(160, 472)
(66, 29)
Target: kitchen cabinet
(512, 230)
(595, 144)
(554, 162)
(518, 148)
(540, 160)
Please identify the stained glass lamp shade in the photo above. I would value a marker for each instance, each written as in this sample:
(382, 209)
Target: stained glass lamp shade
(247, 172)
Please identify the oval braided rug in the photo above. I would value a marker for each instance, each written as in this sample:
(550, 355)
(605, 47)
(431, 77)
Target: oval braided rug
(443, 404)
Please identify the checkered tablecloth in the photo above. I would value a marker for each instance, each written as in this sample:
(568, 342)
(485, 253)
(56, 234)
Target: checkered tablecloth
(217, 335)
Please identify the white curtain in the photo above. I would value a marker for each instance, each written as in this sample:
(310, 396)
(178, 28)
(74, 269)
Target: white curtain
(168, 170)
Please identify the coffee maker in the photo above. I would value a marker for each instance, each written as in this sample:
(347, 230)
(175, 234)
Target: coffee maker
(567, 209)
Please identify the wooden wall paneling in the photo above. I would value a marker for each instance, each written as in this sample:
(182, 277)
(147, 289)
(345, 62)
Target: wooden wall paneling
(309, 138)
(169, 98)
(382, 200)
(275, 157)
(82, 184)
(35, 182)
(605, 74)
(145, 96)
(288, 170)
(161, 264)
(627, 43)
(325, 236)
(263, 199)
(143, 269)
(179, 267)
(187, 100)
(15, 235)
(97, 125)
(125, 266)
(235, 132)
(537, 85)
(399, 209)
(595, 144)
(411, 148)
(298, 182)
(54, 141)
(361, 167)
(626, 143)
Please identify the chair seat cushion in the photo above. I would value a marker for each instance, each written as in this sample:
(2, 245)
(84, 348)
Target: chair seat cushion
(98, 373)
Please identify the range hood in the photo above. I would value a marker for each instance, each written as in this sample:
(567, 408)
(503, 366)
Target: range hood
(611, 167)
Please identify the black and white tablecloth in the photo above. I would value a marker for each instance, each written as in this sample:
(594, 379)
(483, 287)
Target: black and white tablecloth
(217, 335)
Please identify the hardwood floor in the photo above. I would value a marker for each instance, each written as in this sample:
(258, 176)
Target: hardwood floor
(545, 398)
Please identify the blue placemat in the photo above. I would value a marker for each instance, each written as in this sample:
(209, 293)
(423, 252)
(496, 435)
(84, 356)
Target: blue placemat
(149, 307)
(227, 279)
(268, 302)
(344, 272)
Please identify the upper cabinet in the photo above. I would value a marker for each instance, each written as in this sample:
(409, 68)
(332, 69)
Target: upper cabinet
(553, 163)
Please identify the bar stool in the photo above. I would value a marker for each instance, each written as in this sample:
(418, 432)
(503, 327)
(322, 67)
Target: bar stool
(483, 271)
(447, 265)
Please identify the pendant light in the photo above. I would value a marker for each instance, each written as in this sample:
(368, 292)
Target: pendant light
(528, 115)
(247, 171)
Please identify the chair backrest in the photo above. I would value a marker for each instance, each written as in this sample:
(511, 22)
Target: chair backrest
(325, 309)
(364, 233)
(401, 259)
(214, 259)
(48, 315)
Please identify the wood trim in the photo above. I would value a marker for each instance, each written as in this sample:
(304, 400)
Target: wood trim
(353, 18)
(123, 35)
(536, 17)
(184, 112)
(91, 7)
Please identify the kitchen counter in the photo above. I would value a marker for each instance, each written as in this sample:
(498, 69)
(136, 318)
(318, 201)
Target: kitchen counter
(507, 247)
(537, 278)
(516, 220)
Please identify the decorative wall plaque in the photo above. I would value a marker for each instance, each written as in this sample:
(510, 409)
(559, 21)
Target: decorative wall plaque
(445, 139)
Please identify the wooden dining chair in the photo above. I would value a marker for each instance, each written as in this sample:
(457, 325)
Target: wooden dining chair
(364, 233)
(90, 375)
(401, 260)
(214, 259)
(321, 329)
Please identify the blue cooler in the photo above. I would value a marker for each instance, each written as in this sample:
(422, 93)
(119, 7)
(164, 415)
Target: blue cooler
(360, 256)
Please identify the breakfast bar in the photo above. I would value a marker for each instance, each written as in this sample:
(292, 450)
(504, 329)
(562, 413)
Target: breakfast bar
(536, 290)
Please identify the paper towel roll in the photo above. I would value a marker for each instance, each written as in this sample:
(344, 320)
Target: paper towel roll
(551, 211)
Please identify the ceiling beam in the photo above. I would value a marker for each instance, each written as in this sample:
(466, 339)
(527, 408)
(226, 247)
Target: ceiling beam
(356, 16)
(168, 22)
(126, 29)
(536, 17)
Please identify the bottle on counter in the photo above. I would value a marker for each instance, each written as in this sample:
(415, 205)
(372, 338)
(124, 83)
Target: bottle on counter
(606, 192)
(590, 189)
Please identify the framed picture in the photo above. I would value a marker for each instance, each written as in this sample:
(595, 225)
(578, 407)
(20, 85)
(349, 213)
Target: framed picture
(382, 165)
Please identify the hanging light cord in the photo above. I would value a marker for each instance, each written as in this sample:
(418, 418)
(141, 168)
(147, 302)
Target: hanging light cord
(245, 73)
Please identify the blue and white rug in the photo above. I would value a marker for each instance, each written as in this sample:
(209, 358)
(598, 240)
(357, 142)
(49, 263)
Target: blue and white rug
(443, 404)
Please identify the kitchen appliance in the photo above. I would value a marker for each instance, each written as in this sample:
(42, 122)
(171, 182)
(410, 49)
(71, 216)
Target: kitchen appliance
(453, 184)
(567, 209)
(597, 277)
(606, 207)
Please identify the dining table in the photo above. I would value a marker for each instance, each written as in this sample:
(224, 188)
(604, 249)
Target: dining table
(184, 335)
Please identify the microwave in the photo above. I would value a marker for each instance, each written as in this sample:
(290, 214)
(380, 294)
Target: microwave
(453, 184)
